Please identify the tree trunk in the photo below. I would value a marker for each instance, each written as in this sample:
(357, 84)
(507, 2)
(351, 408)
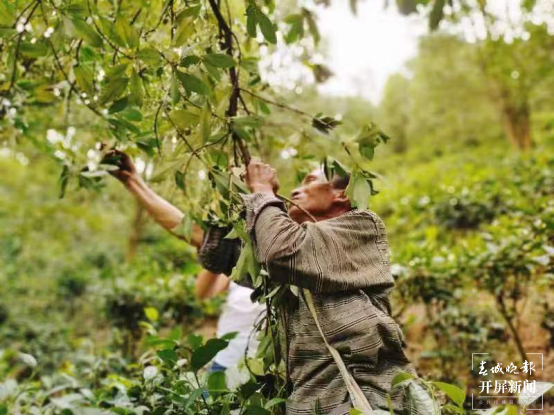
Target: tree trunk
(508, 317)
(516, 121)
(136, 233)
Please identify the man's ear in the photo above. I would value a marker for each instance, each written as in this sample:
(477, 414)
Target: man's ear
(341, 198)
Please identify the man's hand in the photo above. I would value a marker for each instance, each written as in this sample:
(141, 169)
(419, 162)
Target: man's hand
(126, 169)
(261, 177)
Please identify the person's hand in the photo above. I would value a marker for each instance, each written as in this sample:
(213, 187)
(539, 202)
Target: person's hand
(125, 171)
(261, 177)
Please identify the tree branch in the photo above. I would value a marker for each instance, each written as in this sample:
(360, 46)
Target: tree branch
(18, 45)
(227, 45)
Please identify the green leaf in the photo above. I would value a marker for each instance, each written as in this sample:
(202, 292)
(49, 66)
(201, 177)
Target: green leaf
(528, 5)
(193, 83)
(263, 346)
(180, 182)
(256, 410)
(108, 28)
(195, 395)
(400, 377)
(325, 124)
(33, 50)
(131, 114)
(184, 28)
(253, 121)
(118, 105)
(195, 341)
(219, 60)
(312, 26)
(126, 32)
(216, 382)
(78, 9)
(229, 336)
(420, 399)
(87, 33)
(174, 92)
(84, 79)
(358, 192)
(207, 352)
(148, 146)
(205, 120)
(169, 357)
(213, 71)
(368, 139)
(151, 313)
(355, 411)
(189, 60)
(7, 13)
(184, 119)
(149, 56)
(175, 334)
(135, 86)
(191, 11)
(246, 265)
(267, 28)
(274, 402)
(115, 88)
(64, 180)
(251, 20)
(296, 30)
(455, 393)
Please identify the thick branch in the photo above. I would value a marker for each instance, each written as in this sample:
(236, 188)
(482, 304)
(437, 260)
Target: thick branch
(227, 45)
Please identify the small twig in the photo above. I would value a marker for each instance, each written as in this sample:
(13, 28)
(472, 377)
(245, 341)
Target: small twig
(244, 104)
(103, 36)
(72, 87)
(297, 206)
(159, 21)
(187, 165)
(203, 398)
(135, 17)
(18, 45)
(200, 107)
(22, 13)
(277, 104)
(156, 135)
(184, 139)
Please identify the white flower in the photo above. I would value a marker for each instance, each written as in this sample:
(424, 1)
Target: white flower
(48, 32)
(53, 136)
(150, 372)
(28, 359)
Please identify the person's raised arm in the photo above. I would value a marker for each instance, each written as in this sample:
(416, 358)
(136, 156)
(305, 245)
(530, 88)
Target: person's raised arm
(161, 211)
(325, 256)
(210, 284)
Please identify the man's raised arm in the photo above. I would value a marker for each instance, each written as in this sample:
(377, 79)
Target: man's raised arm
(161, 211)
(325, 256)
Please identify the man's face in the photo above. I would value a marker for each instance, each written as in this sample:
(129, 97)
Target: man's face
(315, 195)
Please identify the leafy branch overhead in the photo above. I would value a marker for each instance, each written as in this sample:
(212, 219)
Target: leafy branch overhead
(182, 70)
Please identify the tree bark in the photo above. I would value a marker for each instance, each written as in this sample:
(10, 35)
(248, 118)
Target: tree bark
(517, 125)
(508, 317)
(136, 233)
